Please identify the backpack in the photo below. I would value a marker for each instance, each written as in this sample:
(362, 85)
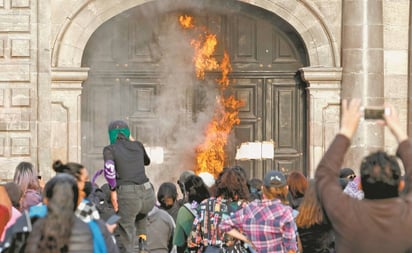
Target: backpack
(100, 199)
(218, 209)
(102, 204)
(16, 235)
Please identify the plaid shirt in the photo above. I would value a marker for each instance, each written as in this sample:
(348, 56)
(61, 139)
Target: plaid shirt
(267, 223)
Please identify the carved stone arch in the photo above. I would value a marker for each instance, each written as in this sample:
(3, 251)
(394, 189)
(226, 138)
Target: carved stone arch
(74, 34)
(303, 16)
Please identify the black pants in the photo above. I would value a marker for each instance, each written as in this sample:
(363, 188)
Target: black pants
(135, 202)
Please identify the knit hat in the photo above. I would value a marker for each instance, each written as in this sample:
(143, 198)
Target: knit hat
(274, 179)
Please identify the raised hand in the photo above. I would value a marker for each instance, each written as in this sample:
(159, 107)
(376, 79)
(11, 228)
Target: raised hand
(350, 117)
(391, 120)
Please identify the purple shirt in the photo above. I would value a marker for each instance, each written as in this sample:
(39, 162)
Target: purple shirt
(31, 198)
(267, 223)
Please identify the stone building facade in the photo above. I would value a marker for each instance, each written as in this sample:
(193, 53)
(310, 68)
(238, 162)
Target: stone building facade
(354, 48)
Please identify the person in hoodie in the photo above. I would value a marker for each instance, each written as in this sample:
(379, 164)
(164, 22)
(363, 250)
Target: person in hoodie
(167, 198)
(160, 229)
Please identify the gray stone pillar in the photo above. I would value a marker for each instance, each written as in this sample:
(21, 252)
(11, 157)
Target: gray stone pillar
(324, 87)
(66, 113)
(44, 159)
(362, 76)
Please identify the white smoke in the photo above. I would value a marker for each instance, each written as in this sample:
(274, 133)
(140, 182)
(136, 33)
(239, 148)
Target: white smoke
(184, 105)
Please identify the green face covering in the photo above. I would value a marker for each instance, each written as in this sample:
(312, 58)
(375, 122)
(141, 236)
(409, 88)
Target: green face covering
(114, 132)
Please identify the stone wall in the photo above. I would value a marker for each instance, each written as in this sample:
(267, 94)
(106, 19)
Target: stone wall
(41, 45)
(18, 84)
(396, 25)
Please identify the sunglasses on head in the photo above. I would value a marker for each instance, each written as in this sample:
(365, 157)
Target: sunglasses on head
(351, 176)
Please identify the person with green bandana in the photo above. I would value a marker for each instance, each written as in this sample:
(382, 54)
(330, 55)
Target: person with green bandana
(132, 194)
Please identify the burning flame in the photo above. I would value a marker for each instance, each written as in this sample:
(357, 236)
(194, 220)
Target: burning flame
(226, 69)
(204, 61)
(186, 21)
(210, 155)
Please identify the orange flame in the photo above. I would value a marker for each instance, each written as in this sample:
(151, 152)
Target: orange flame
(210, 155)
(226, 68)
(204, 60)
(186, 21)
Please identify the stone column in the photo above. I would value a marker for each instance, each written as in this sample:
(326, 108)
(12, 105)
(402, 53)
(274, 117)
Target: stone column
(44, 159)
(362, 76)
(324, 86)
(65, 113)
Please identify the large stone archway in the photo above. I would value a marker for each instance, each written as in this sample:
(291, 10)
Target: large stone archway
(323, 74)
(304, 17)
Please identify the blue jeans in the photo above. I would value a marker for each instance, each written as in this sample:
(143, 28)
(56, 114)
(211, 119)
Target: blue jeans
(135, 202)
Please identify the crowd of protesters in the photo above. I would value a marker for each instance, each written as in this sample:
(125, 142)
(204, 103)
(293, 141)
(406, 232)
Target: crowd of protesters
(336, 211)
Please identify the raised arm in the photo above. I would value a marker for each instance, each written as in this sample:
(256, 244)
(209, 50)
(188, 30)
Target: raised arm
(350, 117)
(391, 120)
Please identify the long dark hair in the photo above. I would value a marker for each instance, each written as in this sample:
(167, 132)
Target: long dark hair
(196, 189)
(57, 226)
(232, 185)
(297, 183)
(310, 210)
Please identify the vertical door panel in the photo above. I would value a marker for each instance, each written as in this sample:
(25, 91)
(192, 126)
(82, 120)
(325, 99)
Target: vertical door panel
(286, 122)
(250, 91)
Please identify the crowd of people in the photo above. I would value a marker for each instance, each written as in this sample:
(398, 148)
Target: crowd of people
(336, 211)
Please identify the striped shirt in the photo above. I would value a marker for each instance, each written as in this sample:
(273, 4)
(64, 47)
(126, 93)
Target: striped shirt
(267, 223)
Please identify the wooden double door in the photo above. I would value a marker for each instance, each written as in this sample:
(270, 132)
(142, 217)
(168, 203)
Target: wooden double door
(141, 71)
